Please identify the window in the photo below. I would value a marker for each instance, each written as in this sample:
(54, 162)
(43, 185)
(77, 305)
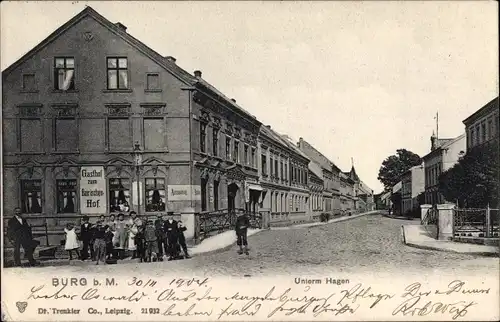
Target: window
(216, 195)
(215, 142)
(271, 163)
(153, 82)
(66, 134)
(245, 154)
(478, 134)
(228, 148)
(31, 196)
(203, 136)
(483, 131)
(119, 136)
(491, 132)
(203, 194)
(276, 168)
(281, 170)
(286, 172)
(66, 196)
(252, 158)
(154, 134)
(29, 83)
(264, 164)
(117, 73)
(30, 132)
(236, 155)
(155, 194)
(119, 195)
(64, 73)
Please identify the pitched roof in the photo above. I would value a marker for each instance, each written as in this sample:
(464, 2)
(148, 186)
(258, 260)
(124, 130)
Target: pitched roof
(283, 139)
(167, 64)
(353, 175)
(485, 109)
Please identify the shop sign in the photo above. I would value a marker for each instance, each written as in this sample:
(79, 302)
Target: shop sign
(92, 190)
(184, 192)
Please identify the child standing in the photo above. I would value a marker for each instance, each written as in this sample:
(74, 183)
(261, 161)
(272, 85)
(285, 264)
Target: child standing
(242, 223)
(182, 239)
(100, 243)
(71, 243)
(108, 238)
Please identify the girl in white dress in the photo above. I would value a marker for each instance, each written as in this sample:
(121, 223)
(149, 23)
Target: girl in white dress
(71, 241)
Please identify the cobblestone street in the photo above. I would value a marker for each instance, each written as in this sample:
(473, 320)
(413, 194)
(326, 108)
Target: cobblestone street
(369, 244)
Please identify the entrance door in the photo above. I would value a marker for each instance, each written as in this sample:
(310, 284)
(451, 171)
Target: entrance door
(232, 190)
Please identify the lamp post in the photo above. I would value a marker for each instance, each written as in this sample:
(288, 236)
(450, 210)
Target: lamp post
(137, 153)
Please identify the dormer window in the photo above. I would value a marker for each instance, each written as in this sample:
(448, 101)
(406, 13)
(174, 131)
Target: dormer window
(64, 73)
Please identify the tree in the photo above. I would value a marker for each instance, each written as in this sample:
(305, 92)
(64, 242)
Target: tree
(473, 180)
(395, 165)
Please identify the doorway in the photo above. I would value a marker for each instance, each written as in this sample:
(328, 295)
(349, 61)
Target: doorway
(232, 192)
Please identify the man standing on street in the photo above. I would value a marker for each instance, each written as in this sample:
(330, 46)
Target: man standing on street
(160, 237)
(19, 232)
(242, 224)
(171, 230)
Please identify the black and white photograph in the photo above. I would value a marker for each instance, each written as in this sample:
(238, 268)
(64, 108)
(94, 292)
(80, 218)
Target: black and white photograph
(250, 160)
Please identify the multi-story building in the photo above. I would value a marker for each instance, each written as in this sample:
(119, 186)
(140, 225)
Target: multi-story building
(95, 122)
(283, 175)
(330, 176)
(412, 184)
(347, 196)
(316, 187)
(444, 155)
(363, 195)
(482, 126)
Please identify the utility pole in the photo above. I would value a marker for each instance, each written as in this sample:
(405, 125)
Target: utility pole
(437, 126)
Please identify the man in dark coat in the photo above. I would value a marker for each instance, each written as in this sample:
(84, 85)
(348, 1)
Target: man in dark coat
(241, 228)
(160, 237)
(182, 239)
(86, 233)
(170, 228)
(19, 232)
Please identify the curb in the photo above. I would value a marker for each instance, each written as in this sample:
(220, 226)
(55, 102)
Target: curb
(486, 254)
(223, 249)
(399, 217)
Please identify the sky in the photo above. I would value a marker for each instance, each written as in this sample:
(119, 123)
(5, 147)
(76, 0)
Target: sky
(355, 79)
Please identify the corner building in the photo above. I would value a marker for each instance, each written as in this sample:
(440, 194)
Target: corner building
(95, 122)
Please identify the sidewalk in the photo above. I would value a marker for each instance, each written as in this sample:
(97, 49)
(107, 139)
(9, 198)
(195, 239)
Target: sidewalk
(334, 220)
(416, 236)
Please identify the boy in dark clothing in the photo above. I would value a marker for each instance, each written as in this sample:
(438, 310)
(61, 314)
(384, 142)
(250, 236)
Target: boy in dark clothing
(100, 243)
(182, 238)
(108, 238)
(160, 237)
(150, 241)
(86, 236)
(242, 224)
(170, 228)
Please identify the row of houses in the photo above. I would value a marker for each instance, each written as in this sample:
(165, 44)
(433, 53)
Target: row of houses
(96, 122)
(422, 180)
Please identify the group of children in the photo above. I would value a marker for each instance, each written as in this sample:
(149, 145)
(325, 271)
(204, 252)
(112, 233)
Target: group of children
(108, 241)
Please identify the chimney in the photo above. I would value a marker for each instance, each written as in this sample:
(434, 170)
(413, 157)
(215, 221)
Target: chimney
(197, 73)
(121, 26)
(268, 126)
(433, 142)
(171, 58)
(233, 100)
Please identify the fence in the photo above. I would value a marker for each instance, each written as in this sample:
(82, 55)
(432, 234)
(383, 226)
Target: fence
(476, 222)
(216, 222)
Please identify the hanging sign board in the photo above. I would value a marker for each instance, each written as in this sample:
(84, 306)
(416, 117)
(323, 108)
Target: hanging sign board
(92, 190)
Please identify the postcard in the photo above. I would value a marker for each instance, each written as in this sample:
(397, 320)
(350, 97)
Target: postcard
(250, 161)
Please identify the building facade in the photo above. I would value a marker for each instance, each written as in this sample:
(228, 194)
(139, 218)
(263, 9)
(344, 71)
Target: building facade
(347, 195)
(95, 122)
(330, 175)
(444, 155)
(413, 184)
(483, 126)
(363, 195)
(316, 186)
(283, 174)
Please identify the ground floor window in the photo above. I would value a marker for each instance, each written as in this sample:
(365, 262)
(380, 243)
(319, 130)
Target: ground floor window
(66, 196)
(31, 196)
(155, 194)
(216, 195)
(203, 194)
(119, 195)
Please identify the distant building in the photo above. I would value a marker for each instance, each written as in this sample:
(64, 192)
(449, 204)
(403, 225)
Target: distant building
(362, 193)
(444, 155)
(330, 174)
(316, 186)
(347, 195)
(482, 126)
(412, 184)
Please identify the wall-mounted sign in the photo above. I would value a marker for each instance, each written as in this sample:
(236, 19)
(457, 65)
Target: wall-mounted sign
(92, 190)
(183, 192)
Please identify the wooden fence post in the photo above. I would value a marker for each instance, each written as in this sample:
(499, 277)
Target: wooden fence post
(488, 221)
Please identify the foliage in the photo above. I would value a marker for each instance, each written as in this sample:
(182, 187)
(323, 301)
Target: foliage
(395, 165)
(473, 181)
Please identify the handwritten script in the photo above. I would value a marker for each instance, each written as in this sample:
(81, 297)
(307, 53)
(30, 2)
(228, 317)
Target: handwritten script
(202, 297)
